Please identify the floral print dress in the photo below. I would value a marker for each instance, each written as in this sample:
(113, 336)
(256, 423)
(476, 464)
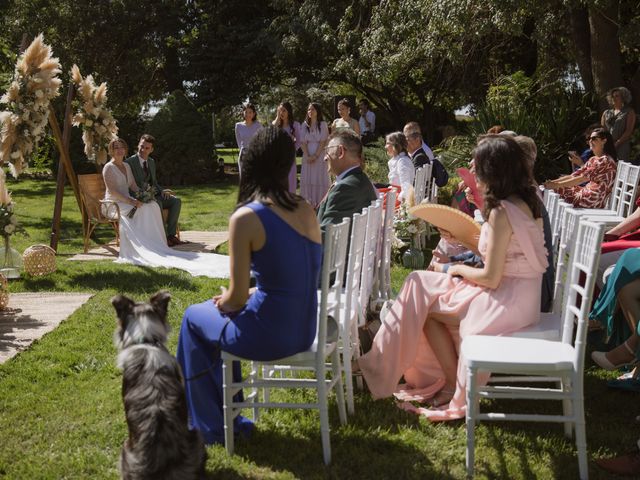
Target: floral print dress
(600, 173)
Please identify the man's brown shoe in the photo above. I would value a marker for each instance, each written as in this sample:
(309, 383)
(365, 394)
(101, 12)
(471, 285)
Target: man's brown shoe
(172, 241)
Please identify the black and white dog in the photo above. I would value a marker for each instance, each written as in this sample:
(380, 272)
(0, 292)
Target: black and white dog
(160, 444)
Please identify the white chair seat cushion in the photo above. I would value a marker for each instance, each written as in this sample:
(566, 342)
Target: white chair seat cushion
(510, 355)
(548, 328)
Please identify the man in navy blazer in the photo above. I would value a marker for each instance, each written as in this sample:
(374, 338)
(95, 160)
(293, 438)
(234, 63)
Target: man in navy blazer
(143, 168)
(352, 190)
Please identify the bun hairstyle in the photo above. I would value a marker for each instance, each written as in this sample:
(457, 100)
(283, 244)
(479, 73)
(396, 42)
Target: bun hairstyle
(266, 163)
(503, 168)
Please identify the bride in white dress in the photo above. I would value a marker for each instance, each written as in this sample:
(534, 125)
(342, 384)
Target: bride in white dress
(142, 237)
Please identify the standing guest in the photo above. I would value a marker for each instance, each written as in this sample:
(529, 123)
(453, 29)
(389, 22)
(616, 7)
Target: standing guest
(419, 155)
(352, 190)
(420, 336)
(401, 171)
(598, 173)
(144, 173)
(345, 122)
(248, 128)
(314, 178)
(620, 120)
(366, 122)
(284, 120)
(275, 234)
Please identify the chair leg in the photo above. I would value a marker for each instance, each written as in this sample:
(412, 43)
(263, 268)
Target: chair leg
(227, 408)
(470, 421)
(336, 373)
(254, 390)
(567, 407)
(347, 356)
(581, 436)
(323, 409)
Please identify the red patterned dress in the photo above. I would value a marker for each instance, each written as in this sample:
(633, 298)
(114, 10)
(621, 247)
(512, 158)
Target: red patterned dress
(600, 173)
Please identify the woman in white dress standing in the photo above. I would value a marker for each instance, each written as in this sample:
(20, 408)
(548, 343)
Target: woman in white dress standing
(401, 170)
(284, 120)
(314, 177)
(142, 237)
(247, 129)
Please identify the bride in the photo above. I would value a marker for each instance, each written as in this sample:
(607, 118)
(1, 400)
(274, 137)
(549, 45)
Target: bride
(142, 237)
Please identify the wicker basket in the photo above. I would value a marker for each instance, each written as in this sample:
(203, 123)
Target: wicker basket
(4, 292)
(39, 260)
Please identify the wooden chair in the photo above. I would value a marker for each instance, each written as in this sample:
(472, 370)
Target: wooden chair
(95, 210)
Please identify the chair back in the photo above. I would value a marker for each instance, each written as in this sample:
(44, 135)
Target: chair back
(556, 224)
(552, 203)
(428, 181)
(629, 189)
(570, 221)
(369, 257)
(333, 267)
(613, 202)
(420, 184)
(582, 277)
(354, 266)
(545, 197)
(92, 190)
(384, 270)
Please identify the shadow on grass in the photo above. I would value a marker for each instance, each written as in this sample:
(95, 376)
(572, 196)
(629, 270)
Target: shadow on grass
(12, 322)
(143, 280)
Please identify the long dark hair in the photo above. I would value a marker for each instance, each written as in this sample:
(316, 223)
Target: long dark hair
(287, 106)
(252, 108)
(502, 166)
(266, 163)
(319, 118)
(609, 146)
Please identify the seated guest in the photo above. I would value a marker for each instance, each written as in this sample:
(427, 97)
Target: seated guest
(599, 172)
(623, 236)
(352, 190)
(578, 161)
(366, 122)
(143, 168)
(401, 171)
(275, 234)
(617, 308)
(419, 155)
(345, 122)
(142, 237)
(420, 336)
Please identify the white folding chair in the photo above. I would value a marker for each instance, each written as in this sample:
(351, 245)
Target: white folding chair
(333, 265)
(349, 346)
(556, 224)
(369, 257)
(542, 360)
(551, 206)
(420, 184)
(382, 292)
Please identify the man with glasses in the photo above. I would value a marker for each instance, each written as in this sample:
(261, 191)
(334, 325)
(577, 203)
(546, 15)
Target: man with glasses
(421, 154)
(352, 190)
(143, 168)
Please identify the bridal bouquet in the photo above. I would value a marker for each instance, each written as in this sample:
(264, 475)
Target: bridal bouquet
(98, 125)
(145, 195)
(22, 124)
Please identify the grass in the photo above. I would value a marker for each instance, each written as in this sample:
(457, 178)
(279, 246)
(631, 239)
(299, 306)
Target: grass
(61, 414)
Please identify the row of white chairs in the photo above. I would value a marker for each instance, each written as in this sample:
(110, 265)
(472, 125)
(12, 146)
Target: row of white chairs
(350, 283)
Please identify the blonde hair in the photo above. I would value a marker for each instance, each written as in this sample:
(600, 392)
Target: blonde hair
(113, 143)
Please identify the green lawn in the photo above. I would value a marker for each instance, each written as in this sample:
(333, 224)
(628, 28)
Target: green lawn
(61, 414)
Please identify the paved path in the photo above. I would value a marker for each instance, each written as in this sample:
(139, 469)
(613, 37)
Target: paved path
(31, 315)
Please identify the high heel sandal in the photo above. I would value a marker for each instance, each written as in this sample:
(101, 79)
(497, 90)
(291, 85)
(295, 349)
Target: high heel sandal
(448, 396)
(601, 359)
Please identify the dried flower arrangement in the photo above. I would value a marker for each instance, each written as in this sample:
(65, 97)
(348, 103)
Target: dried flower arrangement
(22, 125)
(96, 120)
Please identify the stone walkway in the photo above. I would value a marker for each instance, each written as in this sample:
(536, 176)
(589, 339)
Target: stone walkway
(199, 242)
(31, 315)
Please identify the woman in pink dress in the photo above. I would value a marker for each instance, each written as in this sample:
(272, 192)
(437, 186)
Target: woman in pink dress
(284, 120)
(314, 177)
(420, 336)
(598, 173)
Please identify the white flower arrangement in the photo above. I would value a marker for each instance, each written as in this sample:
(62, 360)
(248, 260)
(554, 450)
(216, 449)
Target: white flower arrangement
(8, 220)
(22, 125)
(98, 125)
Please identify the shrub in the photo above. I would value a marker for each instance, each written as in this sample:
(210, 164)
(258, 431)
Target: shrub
(184, 145)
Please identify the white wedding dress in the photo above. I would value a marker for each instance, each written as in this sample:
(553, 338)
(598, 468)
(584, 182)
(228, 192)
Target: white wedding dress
(143, 239)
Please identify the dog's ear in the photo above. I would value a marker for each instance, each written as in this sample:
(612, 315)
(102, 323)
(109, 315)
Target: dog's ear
(123, 306)
(160, 302)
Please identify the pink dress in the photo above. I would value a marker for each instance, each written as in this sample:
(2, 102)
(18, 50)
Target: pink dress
(400, 347)
(314, 177)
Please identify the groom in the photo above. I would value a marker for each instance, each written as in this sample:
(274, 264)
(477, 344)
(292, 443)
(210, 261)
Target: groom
(144, 172)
